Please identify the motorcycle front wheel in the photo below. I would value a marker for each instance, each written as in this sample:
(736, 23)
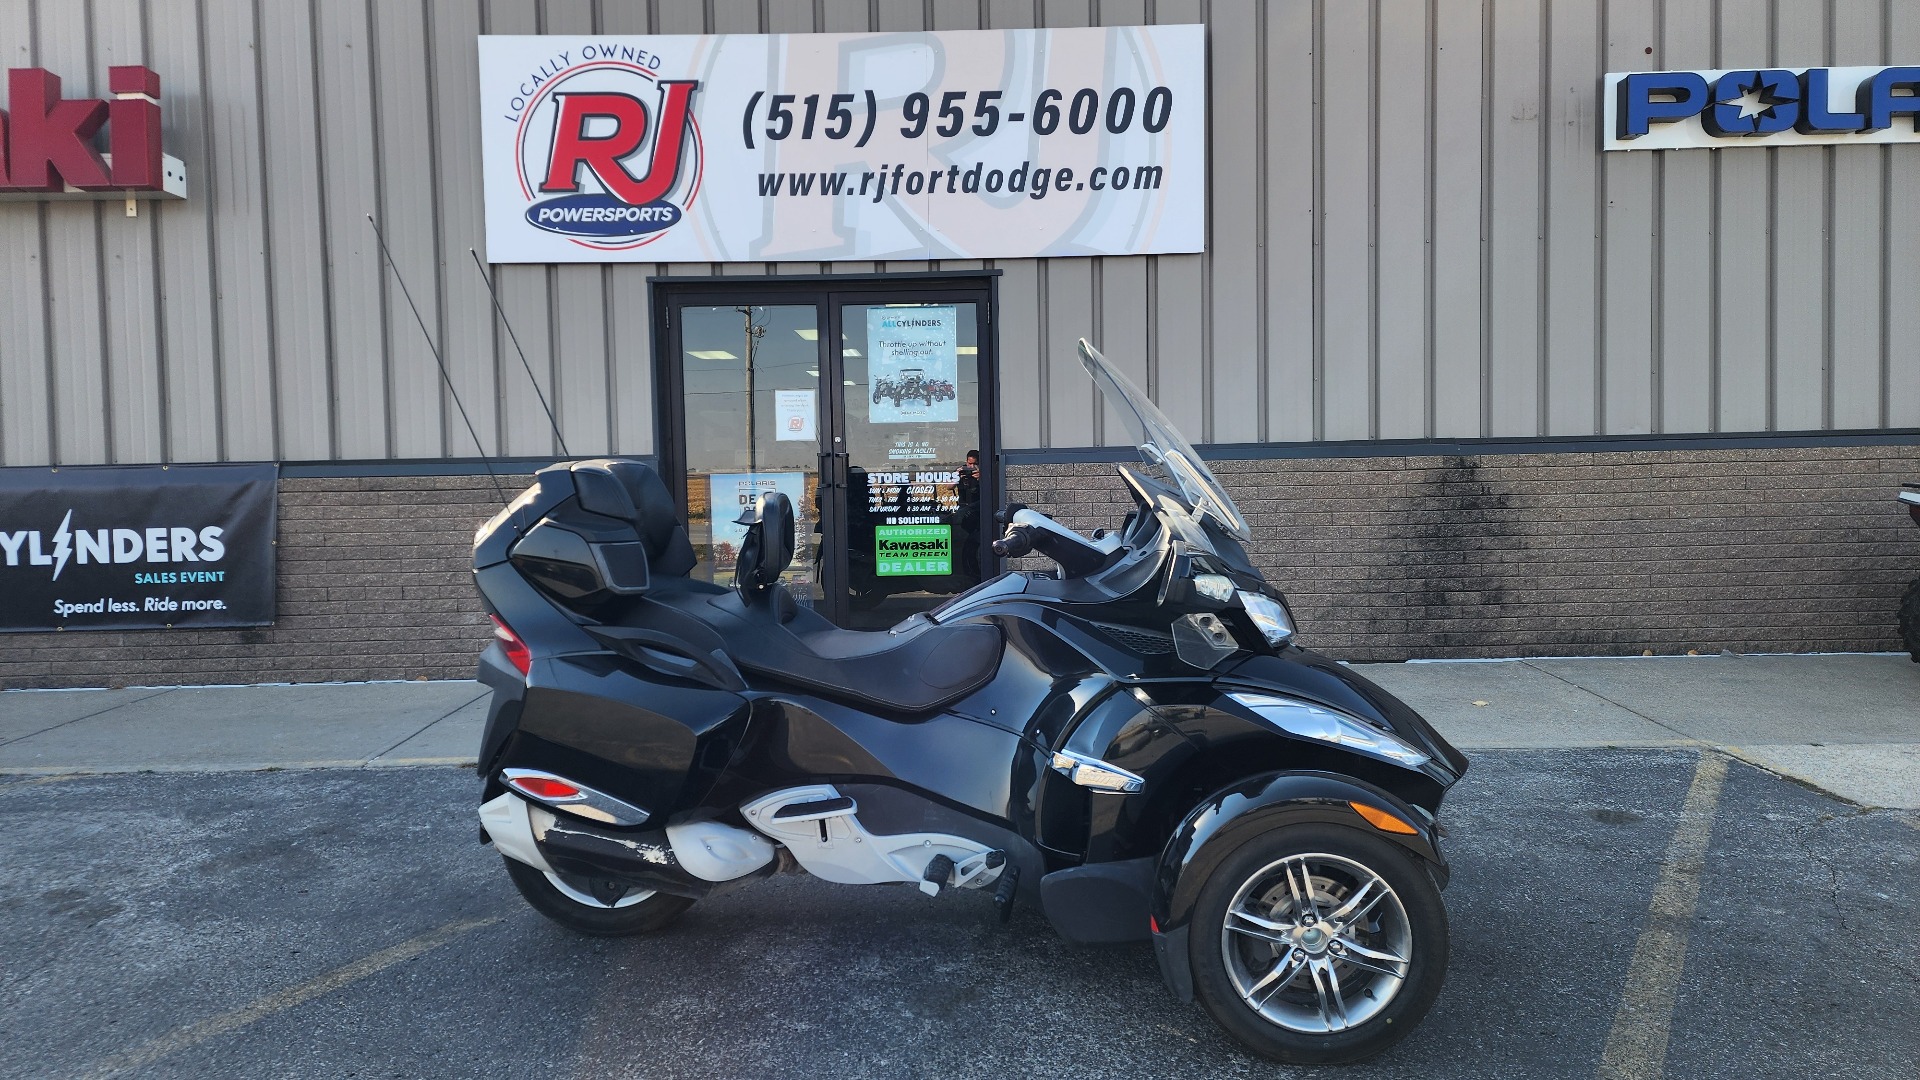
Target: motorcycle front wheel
(1318, 944)
(573, 904)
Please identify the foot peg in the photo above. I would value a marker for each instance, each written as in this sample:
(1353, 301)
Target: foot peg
(939, 872)
(1003, 893)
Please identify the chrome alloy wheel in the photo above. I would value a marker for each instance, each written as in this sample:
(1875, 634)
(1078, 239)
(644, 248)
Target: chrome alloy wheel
(1316, 943)
(581, 896)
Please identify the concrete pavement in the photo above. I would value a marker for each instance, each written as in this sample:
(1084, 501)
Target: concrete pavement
(1846, 724)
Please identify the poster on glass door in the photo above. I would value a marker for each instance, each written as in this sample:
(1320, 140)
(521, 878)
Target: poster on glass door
(733, 493)
(913, 364)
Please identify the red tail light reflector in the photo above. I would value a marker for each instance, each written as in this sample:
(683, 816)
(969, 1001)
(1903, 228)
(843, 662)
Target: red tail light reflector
(518, 654)
(545, 787)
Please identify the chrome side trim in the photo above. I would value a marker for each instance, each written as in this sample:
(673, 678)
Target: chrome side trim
(592, 804)
(1091, 772)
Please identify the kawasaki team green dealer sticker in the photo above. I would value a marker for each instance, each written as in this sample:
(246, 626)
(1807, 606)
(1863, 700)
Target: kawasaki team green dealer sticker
(913, 550)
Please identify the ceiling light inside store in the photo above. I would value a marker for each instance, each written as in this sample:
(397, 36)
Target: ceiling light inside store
(849, 352)
(808, 333)
(815, 372)
(711, 354)
(966, 350)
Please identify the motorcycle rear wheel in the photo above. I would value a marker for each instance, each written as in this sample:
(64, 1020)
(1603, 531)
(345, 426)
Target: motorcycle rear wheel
(1910, 620)
(1318, 945)
(640, 911)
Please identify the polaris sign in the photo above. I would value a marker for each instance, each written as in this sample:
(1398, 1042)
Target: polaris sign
(1668, 110)
(152, 547)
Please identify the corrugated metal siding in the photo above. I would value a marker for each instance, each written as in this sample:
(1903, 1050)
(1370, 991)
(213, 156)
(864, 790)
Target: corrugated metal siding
(1412, 234)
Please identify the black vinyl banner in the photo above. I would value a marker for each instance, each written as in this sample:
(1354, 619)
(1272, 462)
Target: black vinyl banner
(140, 548)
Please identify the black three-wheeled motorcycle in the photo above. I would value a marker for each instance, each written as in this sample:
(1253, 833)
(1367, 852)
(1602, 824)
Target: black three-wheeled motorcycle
(1131, 740)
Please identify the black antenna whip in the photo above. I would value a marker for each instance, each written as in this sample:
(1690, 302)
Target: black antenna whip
(515, 338)
(435, 349)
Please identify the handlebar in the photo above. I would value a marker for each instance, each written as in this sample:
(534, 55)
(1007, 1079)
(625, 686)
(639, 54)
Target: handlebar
(1017, 543)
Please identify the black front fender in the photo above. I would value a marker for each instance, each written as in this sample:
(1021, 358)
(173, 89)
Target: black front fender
(1229, 817)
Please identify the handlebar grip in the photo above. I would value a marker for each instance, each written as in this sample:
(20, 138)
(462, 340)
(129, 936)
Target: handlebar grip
(1017, 543)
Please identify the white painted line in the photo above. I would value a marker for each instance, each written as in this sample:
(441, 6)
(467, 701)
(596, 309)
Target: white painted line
(62, 771)
(194, 1034)
(1636, 1048)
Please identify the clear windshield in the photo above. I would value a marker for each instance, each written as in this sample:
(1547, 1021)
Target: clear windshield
(1161, 445)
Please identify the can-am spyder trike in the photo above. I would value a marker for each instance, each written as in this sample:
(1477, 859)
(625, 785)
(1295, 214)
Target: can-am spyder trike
(1131, 739)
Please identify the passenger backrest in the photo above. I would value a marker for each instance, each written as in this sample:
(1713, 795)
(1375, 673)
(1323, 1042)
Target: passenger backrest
(768, 547)
(647, 504)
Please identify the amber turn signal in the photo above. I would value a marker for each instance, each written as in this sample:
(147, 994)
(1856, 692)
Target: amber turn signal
(1382, 820)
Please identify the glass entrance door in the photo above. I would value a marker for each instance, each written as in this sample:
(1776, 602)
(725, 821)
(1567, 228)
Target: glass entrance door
(911, 408)
(869, 404)
(750, 377)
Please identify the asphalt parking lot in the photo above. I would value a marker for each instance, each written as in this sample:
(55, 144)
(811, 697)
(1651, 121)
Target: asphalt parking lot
(348, 923)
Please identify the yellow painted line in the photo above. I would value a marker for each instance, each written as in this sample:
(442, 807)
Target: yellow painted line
(50, 779)
(1636, 1047)
(194, 1034)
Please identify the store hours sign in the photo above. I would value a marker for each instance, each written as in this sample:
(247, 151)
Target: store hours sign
(141, 548)
(935, 145)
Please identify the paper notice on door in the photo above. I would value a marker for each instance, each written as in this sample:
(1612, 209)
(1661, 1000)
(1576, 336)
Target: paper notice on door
(793, 416)
(915, 364)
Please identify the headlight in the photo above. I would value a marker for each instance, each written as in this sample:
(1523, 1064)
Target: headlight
(1325, 725)
(1269, 616)
(1216, 587)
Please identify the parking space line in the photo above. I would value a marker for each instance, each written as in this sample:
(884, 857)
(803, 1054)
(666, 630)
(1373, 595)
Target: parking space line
(1636, 1047)
(9, 785)
(213, 1027)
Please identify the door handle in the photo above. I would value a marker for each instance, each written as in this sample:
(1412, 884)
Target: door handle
(833, 470)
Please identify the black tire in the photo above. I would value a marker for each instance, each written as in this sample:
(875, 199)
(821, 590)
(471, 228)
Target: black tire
(583, 916)
(1410, 922)
(1910, 620)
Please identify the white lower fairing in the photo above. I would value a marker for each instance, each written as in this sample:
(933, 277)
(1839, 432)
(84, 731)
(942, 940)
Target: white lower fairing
(510, 821)
(833, 845)
(714, 852)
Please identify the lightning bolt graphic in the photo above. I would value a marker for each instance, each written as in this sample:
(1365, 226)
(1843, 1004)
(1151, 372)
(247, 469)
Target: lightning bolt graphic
(61, 543)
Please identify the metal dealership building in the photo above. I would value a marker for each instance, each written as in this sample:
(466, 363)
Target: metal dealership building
(1537, 327)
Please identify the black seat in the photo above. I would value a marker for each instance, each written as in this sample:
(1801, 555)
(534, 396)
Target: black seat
(919, 669)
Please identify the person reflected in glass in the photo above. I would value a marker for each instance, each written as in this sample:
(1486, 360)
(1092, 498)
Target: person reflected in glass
(967, 565)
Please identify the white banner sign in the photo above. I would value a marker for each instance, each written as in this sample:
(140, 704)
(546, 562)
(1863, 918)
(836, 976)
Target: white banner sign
(817, 147)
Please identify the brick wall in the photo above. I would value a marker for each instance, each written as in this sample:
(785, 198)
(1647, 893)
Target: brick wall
(1791, 550)
(376, 582)
(1564, 554)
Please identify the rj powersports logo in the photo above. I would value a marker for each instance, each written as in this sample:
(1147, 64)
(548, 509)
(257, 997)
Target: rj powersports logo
(167, 544)
(609, 154)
